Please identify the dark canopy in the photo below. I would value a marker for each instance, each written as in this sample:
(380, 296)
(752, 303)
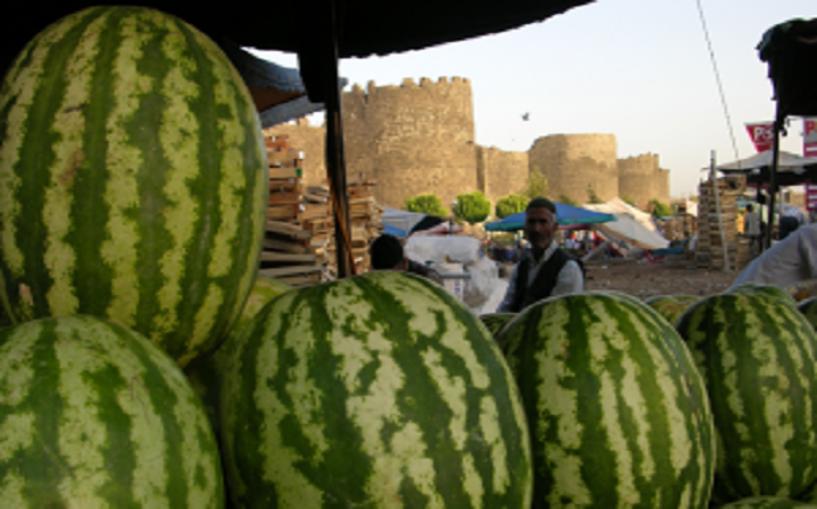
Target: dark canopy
(364, 27)
(790, 49)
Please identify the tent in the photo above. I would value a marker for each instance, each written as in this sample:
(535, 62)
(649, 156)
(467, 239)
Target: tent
(792, 169)
(568, 215)
(632, 225)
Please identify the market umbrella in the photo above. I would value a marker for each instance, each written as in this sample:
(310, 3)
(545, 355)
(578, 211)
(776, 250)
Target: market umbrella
(320, 32)
(567, 215)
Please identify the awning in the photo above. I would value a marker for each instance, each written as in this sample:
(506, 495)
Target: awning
(567, 215)
(792, 169)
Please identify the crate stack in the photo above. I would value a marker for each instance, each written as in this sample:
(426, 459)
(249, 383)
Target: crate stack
(709, 252)
(287, 253)
(678, 227)
(364, 217)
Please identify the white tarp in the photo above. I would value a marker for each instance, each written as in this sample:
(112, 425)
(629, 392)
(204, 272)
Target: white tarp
(632, 225)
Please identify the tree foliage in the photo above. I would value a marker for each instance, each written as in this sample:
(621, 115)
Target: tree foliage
(537, 185)
(472, 207)
(592, 197)
(659, 208)
(428, 203)
(511, 204)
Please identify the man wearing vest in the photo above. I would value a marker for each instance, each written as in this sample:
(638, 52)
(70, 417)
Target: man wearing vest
(544, 269)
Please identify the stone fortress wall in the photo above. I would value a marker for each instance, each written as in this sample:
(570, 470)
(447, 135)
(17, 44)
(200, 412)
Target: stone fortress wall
(418, 137)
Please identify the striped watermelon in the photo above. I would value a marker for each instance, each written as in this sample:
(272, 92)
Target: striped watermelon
(758, 355)
(380, 390)
(495, 321)
(671, 307)
(203, 373)
(809, 309)
(768, 503)
(93, 415)
(770, 290)
(617, 412)
(132, 178)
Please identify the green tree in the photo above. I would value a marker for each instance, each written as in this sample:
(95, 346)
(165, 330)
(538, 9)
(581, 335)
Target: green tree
(567, 200)
(472, 207)
(537, 185)
(659, 208)
(592, 197)
(629, 200)
(510, 204)
(426, 204)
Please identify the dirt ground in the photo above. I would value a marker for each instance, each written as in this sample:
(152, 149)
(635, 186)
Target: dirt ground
(671, 275)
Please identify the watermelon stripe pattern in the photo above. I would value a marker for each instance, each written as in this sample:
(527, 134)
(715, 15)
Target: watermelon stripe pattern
(758, 355)
(132, 178)
(617, 412)
(379, 391)
(93, 415)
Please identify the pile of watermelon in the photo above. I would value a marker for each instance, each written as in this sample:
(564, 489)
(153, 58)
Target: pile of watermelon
(144, 363)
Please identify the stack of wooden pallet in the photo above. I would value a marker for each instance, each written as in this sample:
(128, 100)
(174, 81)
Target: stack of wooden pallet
(710, 249)
(287, 253)
(678, 227)
(364, 216)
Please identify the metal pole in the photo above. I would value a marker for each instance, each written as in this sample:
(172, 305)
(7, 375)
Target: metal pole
(778, 125)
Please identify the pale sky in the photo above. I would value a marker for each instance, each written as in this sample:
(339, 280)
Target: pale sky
(639, 69)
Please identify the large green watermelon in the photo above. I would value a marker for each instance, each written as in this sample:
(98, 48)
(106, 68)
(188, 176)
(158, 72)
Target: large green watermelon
(809, 309)
(671, 307)
(204, 372)
(758, 355)
(93, 415)
(768, 503)
(132, 178)
(376, 391)
(617, 412)
(495, 321)
(770, 290)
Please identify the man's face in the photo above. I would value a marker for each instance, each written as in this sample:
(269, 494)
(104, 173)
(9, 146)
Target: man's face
(540, 225)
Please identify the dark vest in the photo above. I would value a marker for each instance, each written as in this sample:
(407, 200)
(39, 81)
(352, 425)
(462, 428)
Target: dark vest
(544, 283)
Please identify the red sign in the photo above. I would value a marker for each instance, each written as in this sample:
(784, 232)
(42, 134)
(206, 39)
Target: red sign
(810, 137)
(762, 135)
(811, 197)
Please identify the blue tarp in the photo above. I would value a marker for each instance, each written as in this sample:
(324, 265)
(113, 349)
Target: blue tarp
(568, 215)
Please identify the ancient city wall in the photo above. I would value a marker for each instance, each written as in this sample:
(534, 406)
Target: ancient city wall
(662, 186)
(413, 138)
(418, 138)
(637, 179)
(577, 165)
(500, 172)
(311, 140)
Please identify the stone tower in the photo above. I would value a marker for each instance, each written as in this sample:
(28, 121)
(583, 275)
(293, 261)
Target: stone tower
(577, 166)
(413, 138)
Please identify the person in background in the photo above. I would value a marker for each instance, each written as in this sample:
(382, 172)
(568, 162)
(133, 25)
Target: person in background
(544, 269)
(751, 228)
(790, 261)
(386, 253)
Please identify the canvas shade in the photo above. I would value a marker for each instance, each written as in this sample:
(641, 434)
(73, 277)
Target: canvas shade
(567, 215)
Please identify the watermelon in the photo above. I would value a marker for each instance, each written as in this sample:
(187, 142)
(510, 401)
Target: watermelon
(94, 415)
(495, 321)
(758, 356)
(203, 373)
(770, 290)
(617, 412)
(380, 390)
(671, 307)
(132, 179)
(768, 503)
(809, 309)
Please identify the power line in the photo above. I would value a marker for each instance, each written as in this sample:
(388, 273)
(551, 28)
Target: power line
(718, 80)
